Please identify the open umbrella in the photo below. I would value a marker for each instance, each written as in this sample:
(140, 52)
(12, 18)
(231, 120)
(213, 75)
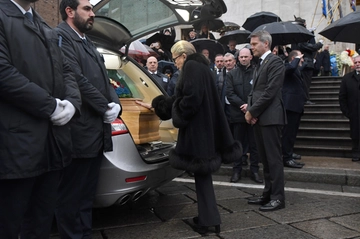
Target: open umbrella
(136, 49)
(284, 33)
(260, 18)
(214, 47)
(213, 24)
(346, 29)
(240, 36)
(228, 26)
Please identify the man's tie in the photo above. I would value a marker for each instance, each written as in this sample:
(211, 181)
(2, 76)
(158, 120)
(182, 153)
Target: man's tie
(257, 67)
(29, 16)
(85, 42)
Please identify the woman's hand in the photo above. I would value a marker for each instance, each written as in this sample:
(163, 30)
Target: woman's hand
(143, 104)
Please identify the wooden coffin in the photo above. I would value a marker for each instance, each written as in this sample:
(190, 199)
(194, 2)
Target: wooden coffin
(142, 123)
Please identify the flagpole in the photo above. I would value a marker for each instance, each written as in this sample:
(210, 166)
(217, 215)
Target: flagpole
(317, 4)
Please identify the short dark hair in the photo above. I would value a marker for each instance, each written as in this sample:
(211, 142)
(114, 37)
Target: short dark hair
(293, 54)
(73, 4)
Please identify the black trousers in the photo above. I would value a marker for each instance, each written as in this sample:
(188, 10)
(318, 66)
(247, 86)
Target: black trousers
(27, 206)
(244, 132)
(76, 195)
(307, 76)
(208, 212)
(355, 148)
(268, 141)
(289, 134)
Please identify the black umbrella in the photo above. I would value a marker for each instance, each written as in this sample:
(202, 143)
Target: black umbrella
(213, 24)
(228, 26)
(260, 18)
(346, 29)
(240, 36)
(214, 47)
(284, 33)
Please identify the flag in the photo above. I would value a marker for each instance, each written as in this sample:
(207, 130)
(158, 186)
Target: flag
(324, 8)
(330, 12)
(353, 5)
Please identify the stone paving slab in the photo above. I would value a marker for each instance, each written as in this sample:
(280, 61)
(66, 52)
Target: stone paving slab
(171, 229)
(324, 228)
(349, 221)
(269, 232)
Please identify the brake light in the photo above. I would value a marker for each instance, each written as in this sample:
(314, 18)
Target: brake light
(135, 179)
(118, 127)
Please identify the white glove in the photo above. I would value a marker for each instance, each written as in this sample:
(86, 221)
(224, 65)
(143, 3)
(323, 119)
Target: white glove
(58, 108)
(112, 113)
(65, 115)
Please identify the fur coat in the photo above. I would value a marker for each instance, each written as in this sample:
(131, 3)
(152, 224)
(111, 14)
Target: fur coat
(204, 139)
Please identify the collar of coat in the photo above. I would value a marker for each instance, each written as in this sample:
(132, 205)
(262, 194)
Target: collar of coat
(197, 57)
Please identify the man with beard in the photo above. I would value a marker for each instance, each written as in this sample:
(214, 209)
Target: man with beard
(90, 131)
(38, 97)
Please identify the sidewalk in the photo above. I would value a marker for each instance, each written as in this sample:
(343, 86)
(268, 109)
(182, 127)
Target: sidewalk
(328, 170)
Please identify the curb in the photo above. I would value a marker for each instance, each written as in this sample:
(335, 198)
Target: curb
(343, 177)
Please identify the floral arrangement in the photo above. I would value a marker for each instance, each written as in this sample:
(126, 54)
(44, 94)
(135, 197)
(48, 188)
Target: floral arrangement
(346, 57)
(121, 90)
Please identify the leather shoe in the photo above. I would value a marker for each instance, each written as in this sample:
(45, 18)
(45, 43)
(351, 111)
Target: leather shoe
(258, 200)
(272, 206)
(296, 156)
(235, 177)
(292, 164)
(355, 159)
(255, 177)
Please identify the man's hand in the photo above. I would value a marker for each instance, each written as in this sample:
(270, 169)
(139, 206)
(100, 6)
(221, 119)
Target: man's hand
(58, 108)
(112, 113)
(250, 119)
(65, 115)
(243, 108)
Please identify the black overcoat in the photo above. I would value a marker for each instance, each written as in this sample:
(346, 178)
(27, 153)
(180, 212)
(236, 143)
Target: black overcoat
(239, 85)
(89, 134)
(349, 99)
(204, 139)
(293, 89)
(33, 73)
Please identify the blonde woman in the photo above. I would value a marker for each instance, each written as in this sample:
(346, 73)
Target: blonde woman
(204, 139)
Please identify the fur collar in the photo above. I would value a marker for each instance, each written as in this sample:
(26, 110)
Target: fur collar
(197, 57)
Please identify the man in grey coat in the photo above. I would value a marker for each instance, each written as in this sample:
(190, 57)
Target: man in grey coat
(267, 113)
(90, 131)
(38, 97)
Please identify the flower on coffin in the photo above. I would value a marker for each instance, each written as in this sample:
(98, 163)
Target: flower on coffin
(121, 90)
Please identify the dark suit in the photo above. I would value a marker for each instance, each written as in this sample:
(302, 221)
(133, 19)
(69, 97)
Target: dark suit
(33, 151)
(162, 79)
(90, 136)
(349, 99)
(265, 103)
(294, 97)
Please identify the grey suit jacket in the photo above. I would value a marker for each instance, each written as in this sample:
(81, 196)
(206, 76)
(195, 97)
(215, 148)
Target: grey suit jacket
(265, 99)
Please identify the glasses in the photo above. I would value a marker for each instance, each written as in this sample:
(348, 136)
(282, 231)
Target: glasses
(174, 59)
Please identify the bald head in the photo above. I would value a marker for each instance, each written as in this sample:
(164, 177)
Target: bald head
(152, 64)
(245, 57)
